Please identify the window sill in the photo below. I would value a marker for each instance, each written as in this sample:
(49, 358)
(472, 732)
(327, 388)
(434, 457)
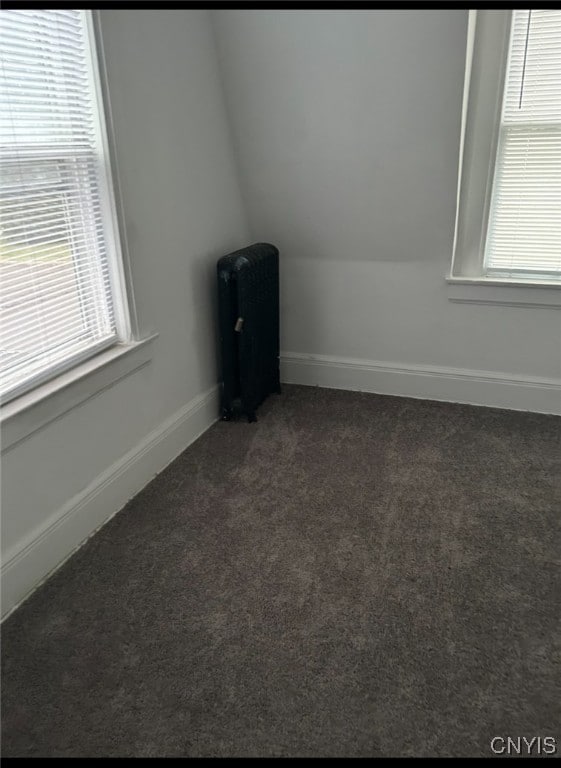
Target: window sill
(33, 410)
(512, 293)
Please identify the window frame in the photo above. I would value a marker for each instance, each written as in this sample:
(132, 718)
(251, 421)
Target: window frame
(120, 291)
(487, 48)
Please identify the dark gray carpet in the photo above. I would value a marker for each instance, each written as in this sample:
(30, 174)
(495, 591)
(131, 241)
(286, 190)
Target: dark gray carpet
(352, 575)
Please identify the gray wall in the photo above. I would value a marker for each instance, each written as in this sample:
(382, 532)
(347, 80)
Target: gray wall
(183, 209)
(347, 128)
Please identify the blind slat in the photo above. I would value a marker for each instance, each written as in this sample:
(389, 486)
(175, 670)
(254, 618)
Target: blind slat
(56, 357)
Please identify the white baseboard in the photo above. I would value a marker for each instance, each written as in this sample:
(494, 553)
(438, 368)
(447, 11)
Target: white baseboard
(457, 385)
(26, 567)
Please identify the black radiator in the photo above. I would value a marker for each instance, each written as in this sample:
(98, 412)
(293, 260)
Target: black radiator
(248, 301)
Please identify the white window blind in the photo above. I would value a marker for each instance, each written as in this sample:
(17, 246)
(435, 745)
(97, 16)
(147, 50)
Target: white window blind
(524, 229)
(56, 305)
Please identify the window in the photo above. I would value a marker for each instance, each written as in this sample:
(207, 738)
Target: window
(61, 288)
(524, 232)
(509, 203)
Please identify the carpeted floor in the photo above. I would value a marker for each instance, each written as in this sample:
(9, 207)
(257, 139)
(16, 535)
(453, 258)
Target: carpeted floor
(354, 575)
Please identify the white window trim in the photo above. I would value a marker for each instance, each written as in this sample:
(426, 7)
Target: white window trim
(486, 58)
(129, 329)
(83, 379)
(107, 198)
(38, 407)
